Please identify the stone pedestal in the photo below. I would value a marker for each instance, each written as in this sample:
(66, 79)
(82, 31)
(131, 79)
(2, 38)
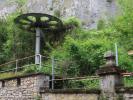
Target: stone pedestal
(110, 77)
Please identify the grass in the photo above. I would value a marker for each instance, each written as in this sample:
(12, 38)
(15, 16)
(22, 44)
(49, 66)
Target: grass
(9, 75)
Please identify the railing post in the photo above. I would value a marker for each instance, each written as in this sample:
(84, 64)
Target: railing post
(40, 62)
(53, 72)
(116, 54)
(16, 69)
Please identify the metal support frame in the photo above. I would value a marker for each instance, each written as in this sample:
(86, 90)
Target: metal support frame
(38, 25)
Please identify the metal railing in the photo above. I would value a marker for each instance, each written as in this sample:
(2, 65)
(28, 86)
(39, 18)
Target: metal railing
(14, 64)
(55, 70)
(77, 82)
(17, 64)
(93, 81)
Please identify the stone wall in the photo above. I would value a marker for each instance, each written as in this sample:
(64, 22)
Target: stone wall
(23, 87)
(126, 93)
(36, 87)
(128, 96)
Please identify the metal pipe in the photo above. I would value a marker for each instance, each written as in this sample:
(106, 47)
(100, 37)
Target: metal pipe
(53, 73)
(37, 49)
(40, 62)
(16, 70)
(116, 53)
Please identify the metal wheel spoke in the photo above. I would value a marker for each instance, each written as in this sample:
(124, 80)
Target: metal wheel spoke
(28, 20)
(23, 23)
(38, 19)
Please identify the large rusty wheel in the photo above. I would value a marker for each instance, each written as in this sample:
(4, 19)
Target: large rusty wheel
(45, 22)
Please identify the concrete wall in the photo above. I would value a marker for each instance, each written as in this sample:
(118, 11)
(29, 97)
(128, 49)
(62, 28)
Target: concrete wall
(28, 89)
(70, 94)
(50, 96)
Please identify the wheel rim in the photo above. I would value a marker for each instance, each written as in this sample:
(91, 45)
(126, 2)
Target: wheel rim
(45, 22)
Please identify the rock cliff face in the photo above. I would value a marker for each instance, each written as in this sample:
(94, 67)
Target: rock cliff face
(89, 11)
(6, 8)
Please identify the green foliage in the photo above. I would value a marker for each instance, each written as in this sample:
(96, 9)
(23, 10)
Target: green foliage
(21, 2)
(82, 84)
(128, 81)
(37, 97)
(72, 22)
(19, 41)
(3, 38)
(30, 69)
(101, 24)
(14, 43)
(57, 13)
(81, 51)
(123, 24)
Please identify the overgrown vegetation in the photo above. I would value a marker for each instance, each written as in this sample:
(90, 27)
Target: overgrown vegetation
(81, 50)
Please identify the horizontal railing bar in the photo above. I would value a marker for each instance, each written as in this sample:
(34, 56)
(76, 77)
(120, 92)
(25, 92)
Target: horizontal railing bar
(25, 58)
(46, 57)
(54, 58)
(127, 74)
(8, 63)
(7, 70)
(77, 78)
(21, 67)
(13, 61)
(14, 69)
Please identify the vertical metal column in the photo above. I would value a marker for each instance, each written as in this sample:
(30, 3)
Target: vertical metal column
(40, 62)
(16, 66)
(116, 54)
(53, 72)
(37, 47)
